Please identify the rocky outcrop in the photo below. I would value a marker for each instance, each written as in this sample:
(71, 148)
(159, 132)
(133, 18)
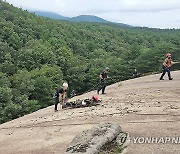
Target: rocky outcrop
(91, 141)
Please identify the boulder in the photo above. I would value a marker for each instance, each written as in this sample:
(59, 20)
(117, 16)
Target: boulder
(91, 141)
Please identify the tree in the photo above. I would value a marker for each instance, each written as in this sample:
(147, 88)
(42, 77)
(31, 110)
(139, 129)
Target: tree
(22, 83)
(5, 100)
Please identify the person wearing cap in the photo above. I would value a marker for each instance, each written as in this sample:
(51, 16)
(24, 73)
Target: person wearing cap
(103, 76)
(166, 66)
(60, 95)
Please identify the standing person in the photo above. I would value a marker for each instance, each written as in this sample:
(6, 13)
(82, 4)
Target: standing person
(60, 95)
(166, 66)
(103, 76)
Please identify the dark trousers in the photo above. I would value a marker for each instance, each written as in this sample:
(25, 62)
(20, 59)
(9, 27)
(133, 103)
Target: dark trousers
(102, 86)
(56, 103)
(166, 69)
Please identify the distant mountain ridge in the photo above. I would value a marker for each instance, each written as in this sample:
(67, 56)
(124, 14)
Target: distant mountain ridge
(88, 18)
(49, 15)
(80, 18)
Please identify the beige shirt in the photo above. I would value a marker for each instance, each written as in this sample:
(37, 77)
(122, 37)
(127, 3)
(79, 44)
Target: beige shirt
(167, 62)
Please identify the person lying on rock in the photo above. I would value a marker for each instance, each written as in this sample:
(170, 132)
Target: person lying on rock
(82, 103)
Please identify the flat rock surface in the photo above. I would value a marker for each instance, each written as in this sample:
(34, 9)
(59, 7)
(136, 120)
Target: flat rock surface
(144, 107)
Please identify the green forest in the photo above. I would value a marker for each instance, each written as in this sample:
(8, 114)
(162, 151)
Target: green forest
(38, 54)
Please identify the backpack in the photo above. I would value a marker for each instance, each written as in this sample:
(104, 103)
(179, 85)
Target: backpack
(55, 94)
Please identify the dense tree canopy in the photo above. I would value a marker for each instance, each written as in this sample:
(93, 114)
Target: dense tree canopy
(38, 54)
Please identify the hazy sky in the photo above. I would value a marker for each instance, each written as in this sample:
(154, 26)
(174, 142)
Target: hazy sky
(150, 13)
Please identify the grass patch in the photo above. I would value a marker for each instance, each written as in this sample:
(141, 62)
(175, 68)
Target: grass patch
(120, 84)
(111, 148)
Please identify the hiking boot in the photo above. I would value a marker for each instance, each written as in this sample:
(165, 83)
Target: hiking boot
(170, 78)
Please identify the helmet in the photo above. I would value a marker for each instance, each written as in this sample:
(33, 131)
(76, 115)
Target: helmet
(65, 84)
(107, 68)
(168, 55)
(95, 98)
